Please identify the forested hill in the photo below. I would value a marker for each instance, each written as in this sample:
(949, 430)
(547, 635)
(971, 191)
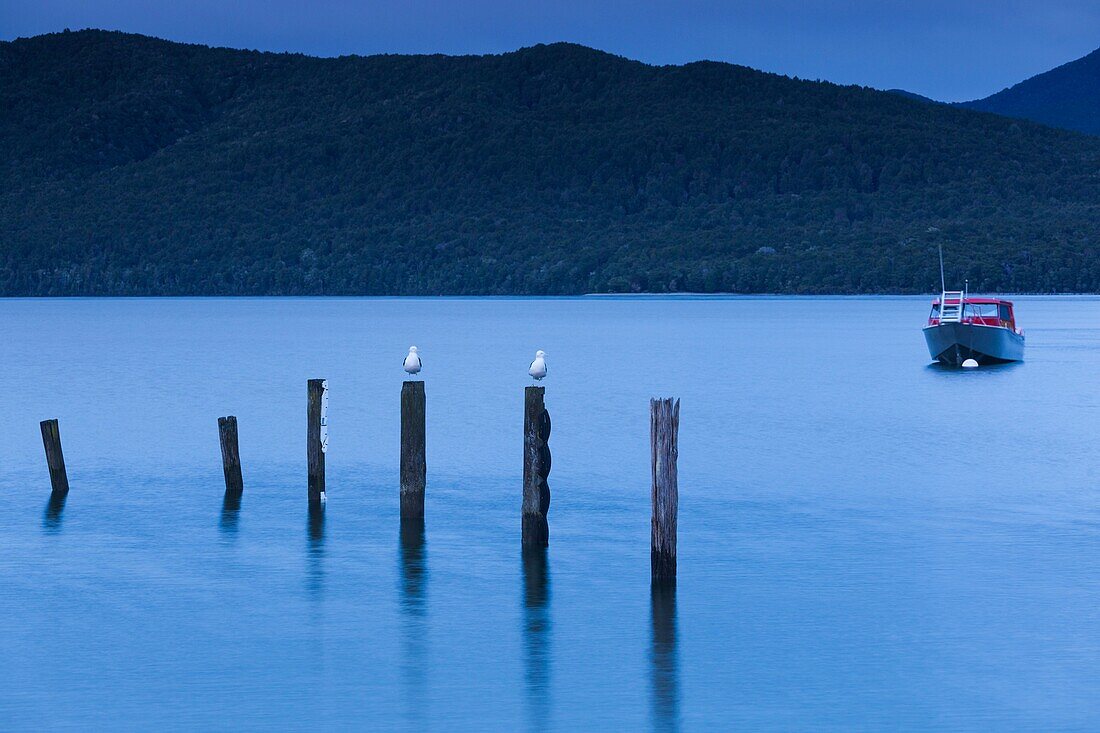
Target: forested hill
(137, 166)
(1067, 97)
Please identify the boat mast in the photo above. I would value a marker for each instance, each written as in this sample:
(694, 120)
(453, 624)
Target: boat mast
(943, 285)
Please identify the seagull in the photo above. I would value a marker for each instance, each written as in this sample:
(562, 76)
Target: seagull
(538, 366)
(412, 361)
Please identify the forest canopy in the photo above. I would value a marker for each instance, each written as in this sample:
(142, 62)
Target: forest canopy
(135, 166)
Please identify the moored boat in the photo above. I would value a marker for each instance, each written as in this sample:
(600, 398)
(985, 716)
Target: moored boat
(983, 329)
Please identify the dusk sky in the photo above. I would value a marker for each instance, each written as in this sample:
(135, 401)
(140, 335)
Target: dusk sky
(946, 49)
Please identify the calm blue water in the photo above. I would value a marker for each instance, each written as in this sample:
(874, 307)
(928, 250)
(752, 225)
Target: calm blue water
(866, 542)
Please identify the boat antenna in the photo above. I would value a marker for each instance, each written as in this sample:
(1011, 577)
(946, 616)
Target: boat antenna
(943, 285)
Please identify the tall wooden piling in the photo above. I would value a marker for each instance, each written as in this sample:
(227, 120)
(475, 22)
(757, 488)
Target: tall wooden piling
(413, 464)
(231, 456)
(664, 424)
(55, 459)
(536, 468)
(316, 438)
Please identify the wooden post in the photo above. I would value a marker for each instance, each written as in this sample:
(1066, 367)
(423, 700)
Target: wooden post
(55, 460)
(664, 423)
(536, 468)
(413, 464)
(316, 438)
(231, 457)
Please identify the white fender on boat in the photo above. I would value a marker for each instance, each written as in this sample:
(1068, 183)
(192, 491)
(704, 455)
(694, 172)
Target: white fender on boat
(970, 364)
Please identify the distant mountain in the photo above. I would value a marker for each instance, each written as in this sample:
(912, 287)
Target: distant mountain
(137, 166)
(1066, 97)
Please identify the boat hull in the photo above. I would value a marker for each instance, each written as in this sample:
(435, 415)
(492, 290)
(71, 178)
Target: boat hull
(954, 343)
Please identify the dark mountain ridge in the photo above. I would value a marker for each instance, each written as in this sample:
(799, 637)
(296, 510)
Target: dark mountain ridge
(140, 166)
(913, 96)
(1067, 97)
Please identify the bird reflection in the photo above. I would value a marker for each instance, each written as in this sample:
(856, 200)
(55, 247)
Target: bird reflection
(51, 521)
(414, 577)
(231, 509)
(315, 548)
(536, 633)
(663, 660)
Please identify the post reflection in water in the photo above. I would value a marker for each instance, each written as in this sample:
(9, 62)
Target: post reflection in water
(51, 520)
(536, 634)
(231, 509)
(414, 578)
(663, 660)
(414, 571)
(315, 549)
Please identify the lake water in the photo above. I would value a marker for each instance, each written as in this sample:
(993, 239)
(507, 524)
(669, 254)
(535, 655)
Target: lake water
(866, 542)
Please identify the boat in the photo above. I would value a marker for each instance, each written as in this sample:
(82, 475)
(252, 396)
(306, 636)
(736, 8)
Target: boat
(983, 329)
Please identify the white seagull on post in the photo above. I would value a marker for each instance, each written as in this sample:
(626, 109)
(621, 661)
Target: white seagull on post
(538, 366)
(412, 362)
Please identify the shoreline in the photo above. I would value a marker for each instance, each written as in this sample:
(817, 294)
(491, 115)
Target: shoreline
(606, 296)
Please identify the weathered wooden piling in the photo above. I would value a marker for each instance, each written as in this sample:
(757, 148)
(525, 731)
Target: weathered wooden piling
(55, 459)
(413, 464)
(316, 438)
(536, 468)
(231, 456)
(664, 424)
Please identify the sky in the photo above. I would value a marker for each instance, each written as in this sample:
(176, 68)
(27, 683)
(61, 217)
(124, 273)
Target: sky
(949, 50)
